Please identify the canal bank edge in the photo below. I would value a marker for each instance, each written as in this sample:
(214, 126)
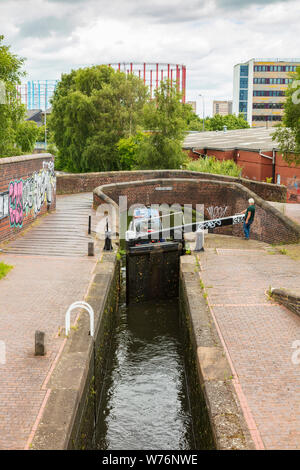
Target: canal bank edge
(75, 385)
(227, 421)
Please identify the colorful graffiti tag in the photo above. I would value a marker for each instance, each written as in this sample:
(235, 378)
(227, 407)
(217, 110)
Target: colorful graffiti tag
(293, 189)
(28, 196)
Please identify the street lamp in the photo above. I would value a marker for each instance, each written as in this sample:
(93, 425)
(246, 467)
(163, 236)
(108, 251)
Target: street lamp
(203, 109)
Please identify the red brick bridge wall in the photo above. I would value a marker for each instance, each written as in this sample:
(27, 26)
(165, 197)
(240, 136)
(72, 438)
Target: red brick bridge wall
(222, 197)
(27, 190)
(86, 182)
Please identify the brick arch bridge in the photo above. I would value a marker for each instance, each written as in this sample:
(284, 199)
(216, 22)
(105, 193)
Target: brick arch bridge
(269, 226)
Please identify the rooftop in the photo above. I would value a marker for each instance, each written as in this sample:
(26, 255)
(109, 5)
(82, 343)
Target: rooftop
(253, 139)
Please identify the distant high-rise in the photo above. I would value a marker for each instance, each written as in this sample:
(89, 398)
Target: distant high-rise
(222, 107)
(259, 87)
(193, 104)
(36, 94)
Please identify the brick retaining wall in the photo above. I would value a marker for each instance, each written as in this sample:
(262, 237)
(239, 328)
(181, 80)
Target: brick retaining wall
(85, 182)
(27, 190)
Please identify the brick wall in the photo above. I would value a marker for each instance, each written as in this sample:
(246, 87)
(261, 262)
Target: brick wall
(84, 182)
(226, 197)
(258, 168)
(27, 190)
(290, 299)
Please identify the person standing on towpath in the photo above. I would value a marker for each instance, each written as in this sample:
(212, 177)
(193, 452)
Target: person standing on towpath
(249, 217)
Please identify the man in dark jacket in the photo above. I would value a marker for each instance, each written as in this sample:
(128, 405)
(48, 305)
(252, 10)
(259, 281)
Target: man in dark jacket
(249, 217)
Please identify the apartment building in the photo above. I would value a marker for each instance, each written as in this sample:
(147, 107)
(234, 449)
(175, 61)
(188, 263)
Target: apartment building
(259, 87)
(222, 107)
(193, 104)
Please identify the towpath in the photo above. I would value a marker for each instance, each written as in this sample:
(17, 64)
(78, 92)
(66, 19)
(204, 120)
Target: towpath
(258, 334)
(51, 271)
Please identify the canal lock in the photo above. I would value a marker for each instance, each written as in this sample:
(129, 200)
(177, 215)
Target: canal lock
(150, 395)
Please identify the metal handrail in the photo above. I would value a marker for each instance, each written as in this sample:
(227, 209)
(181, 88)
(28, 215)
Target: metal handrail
(84, 305)
(195, 226)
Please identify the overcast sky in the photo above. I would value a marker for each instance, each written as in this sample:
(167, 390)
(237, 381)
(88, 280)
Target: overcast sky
(208, 36)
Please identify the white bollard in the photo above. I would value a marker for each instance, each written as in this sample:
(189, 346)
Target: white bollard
(199, 240)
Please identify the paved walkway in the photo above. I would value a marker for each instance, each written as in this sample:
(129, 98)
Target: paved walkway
(62, 233)
(49, 274)
(257, 333)
(290, 210)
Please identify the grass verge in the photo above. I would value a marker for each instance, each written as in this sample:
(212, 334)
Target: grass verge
(4, 269)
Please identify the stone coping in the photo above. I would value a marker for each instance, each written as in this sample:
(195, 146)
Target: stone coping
(153, 173)
(25, 158)
(288, 298)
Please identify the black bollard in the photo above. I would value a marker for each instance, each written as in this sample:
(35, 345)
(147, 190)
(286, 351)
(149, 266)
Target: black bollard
(90, 224)
(39, 343)
(91, 249)
(107, 243)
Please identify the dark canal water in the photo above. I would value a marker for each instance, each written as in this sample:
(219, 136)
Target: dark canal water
(145, 402)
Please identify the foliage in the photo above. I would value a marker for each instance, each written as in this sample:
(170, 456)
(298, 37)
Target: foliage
(192, 120)
(288, 134)
(26, 136)
(217, 167)
(92, 109)
(4, 269)
(165, 118)
(217, 123)
(128, 149)
(12, 112)
(41, 134)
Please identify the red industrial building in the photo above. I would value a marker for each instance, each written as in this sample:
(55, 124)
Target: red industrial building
(253, 150)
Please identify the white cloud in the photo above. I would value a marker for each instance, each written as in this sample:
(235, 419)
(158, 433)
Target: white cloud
(209, 36)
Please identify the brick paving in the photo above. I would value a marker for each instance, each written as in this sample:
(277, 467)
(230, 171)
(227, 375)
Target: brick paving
(35, 295)
(258, 333)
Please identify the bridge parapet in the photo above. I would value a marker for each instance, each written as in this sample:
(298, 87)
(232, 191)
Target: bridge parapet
(218, 197)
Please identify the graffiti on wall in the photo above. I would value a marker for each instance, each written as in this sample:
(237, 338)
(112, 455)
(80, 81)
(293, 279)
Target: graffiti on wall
(28, 196)
(293, 189)
(216, 212)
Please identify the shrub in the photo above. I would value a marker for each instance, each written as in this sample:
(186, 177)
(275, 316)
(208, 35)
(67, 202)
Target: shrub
(214, 166)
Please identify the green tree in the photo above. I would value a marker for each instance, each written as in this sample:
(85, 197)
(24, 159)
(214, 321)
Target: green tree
(92, 109)
(217, 122)
(12, 112)
(128, 150)
(26, 136)
(288, 134)
(164, 119)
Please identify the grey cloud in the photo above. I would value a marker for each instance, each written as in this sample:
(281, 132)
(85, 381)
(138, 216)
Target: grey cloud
(247, 3)
(44, 27)
(156, 11)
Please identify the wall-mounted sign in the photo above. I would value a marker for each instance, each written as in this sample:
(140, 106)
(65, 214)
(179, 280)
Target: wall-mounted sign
(3, 205)
(166, 188)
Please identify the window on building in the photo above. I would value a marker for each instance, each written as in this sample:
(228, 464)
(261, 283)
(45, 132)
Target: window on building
(244, 70)
(243, 95)
(243, 106)
(243, 82)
